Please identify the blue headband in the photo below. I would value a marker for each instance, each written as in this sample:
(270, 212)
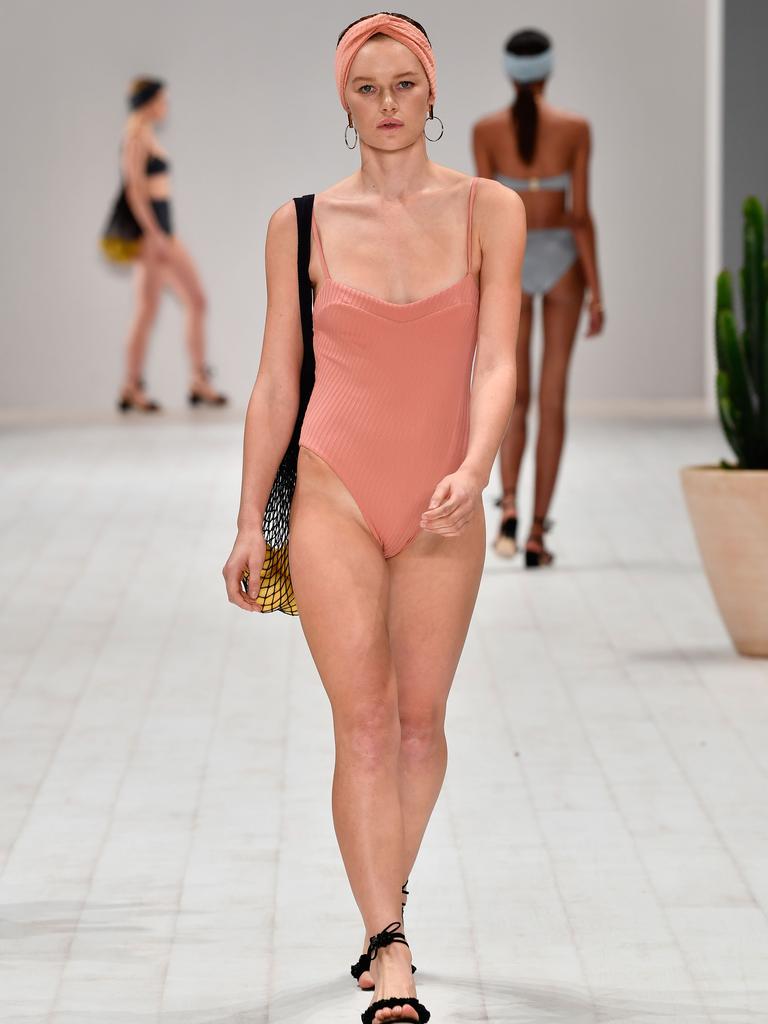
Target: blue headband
(531, 68)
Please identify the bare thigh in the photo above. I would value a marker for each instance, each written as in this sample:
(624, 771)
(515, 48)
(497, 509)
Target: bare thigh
(149, 280)
(370, 621)
(561, 312)
(182, 275)
(341, 582)
(523, 351)
(432, 593)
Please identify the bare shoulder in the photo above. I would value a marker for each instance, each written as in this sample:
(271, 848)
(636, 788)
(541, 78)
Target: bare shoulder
(339, 191)
(489, 124)
(136, 136)
(282, 240)
(495, 202)
(493, 119)
(574, 124)
(282, 223)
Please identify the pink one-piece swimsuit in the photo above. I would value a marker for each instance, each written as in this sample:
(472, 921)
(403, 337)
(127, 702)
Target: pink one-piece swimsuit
(389, 410)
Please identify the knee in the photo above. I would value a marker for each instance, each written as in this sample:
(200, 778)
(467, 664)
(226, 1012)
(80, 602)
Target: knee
(146, 312)
(522, 401)
(198, 302)
(552, 406)
(368, 733)
(421, 732)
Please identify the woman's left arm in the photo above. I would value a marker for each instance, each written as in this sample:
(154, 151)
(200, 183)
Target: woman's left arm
(500, 218)
(583, 228)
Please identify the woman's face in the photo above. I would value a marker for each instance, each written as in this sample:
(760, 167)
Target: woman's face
(387, 94)
(157, 108)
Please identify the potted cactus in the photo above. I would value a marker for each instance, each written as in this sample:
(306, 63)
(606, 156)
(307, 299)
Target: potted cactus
(728, 503)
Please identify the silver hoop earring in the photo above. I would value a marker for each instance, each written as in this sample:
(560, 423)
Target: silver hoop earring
(346, 139)
(433, 117)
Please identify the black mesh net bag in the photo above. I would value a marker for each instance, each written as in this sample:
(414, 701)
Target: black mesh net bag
(275, 588)
(121, 237)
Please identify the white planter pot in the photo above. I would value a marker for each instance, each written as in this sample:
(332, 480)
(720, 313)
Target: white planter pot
(729, 512)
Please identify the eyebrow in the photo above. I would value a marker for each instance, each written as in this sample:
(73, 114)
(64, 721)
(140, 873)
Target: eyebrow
(400, 74)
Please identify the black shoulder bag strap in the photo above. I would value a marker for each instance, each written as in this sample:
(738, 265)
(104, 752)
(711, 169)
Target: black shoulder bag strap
(276, 587)
(304, 206)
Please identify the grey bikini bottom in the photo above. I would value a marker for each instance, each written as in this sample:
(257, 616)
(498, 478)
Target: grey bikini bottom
(549, 252)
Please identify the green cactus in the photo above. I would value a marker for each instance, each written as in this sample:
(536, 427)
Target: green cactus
(742, 359)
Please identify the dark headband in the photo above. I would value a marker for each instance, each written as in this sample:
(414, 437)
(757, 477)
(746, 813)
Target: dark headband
(144, 95)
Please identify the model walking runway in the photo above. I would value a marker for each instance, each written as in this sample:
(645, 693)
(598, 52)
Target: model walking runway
(415, 270)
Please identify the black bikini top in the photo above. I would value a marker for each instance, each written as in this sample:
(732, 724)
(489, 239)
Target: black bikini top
(156, 165)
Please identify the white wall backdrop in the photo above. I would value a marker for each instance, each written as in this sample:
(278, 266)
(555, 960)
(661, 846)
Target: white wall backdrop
(255, 120)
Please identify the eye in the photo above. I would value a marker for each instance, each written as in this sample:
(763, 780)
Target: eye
(363, 88)
(405, 82)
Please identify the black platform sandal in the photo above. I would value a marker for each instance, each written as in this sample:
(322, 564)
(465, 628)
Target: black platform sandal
(505, 544)
(392, 934)
(198, 398)
(534, 557)
(364, 963)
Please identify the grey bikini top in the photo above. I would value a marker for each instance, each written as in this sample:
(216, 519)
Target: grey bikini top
(555, 183)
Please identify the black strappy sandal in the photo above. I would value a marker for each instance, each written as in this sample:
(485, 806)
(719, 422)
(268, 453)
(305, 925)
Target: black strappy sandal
(198, 398)
(505, 544)
(364, 963)
(126, 401)
(392, 934)
(534, 558)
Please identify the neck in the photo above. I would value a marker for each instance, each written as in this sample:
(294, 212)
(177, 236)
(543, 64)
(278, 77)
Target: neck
(537, 88)
(395, 175)
(140, 118)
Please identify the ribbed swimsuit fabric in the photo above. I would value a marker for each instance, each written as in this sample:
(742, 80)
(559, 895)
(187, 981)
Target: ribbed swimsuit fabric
(389, 411)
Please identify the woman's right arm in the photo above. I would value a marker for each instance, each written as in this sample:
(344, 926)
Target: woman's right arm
(134, 159)
(273, 405)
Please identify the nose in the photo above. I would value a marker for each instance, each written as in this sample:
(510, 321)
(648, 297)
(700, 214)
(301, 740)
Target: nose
(388, 101)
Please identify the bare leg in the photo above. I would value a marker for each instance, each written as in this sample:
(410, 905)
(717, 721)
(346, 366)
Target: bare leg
(357, 613)
(513, 445)
(343, 602)
(562, 307)
(148, 282)
(183, 277)
(433, 588)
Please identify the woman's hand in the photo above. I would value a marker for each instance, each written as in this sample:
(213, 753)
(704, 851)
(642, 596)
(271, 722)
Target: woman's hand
(453, 504)
(248, 553)
(157, 246)
(596, 318)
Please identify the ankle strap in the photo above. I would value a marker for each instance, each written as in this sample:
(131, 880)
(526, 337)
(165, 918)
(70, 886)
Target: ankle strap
(544, 523)
(385, 938)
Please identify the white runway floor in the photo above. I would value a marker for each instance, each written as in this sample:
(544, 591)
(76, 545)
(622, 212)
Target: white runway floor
(600, 851)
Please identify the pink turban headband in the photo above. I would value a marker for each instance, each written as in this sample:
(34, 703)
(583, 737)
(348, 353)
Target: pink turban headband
(398, 28)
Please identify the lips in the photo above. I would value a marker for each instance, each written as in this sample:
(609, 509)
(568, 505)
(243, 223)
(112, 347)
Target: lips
(390, 124)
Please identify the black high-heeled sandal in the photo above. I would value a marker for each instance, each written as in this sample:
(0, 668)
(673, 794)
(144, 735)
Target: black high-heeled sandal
(534, 558)
(385, 938)
(125, 403)
(364, 963)
(505, 544)
(198, 398)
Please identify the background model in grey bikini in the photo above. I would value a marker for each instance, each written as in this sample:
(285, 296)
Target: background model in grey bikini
(549, 252)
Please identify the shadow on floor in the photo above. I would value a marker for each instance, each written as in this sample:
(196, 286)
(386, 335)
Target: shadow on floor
(494, 1001)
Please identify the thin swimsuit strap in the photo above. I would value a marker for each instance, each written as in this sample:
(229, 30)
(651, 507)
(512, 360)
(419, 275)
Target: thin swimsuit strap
(469, 224)
(321, 253)
(316, 236)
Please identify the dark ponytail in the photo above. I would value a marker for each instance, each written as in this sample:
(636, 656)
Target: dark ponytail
(525, 121)
(524, 112)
